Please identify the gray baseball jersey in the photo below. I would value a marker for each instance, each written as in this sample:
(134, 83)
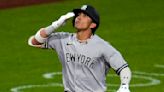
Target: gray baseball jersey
(85, 65)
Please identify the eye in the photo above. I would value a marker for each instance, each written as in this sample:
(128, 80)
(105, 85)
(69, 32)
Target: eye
(78, 13)
(84, 14)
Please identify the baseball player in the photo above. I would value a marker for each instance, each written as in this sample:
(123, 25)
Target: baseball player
(85, 57)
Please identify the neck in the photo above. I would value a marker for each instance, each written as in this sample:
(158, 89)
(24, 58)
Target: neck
(84, 35)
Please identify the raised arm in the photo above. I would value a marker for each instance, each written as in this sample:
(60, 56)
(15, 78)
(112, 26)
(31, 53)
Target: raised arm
(40, 37)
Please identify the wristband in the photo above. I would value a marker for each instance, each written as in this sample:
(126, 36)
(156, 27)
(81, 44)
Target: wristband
(39, 38)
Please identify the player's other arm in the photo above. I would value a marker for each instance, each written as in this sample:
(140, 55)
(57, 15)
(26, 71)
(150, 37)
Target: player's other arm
(40, 37)
(117, 62)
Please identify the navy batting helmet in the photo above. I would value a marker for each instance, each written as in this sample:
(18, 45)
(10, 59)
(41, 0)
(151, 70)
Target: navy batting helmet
(91, 12)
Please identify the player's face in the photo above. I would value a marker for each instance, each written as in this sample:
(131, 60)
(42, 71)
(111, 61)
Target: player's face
(82, 22)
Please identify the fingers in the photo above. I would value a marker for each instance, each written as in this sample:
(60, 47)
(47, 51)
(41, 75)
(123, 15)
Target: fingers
(61, 21)
(65, 17)
(69, 15)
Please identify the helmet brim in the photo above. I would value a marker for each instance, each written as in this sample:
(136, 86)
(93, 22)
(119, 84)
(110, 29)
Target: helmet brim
(77, 11)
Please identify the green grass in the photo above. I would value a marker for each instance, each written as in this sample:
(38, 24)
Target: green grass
(134, 27)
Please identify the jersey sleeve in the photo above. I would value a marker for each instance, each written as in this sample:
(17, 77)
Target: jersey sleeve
(54, 40)
(114, 58)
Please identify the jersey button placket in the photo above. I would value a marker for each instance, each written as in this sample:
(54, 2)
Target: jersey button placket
(75, 78)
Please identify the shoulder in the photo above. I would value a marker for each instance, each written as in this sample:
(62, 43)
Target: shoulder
(100, 41)
(55, 39)
(104, 45)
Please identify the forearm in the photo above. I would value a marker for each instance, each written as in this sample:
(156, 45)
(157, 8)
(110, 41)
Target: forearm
(41, 35)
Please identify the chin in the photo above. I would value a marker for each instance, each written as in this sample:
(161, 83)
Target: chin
(78, 28)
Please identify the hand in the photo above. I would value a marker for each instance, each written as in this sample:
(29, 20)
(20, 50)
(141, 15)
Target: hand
(123, 88)
(62, 19)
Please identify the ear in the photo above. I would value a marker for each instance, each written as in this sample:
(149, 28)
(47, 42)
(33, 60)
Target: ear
(93, 25)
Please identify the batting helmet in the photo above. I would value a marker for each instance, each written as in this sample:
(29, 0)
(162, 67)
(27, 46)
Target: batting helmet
(91, 12)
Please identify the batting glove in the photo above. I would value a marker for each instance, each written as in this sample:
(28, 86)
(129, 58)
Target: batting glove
(62, 20)
(123, 88)
(58, 23)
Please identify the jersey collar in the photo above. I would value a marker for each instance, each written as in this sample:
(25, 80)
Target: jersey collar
(82, 41)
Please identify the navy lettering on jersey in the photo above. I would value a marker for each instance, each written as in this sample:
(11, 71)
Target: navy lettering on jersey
(79, 58)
